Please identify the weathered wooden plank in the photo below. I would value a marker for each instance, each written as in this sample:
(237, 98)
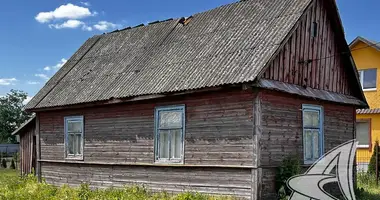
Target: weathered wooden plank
(315, 64)
(219, 181)
(125, 132)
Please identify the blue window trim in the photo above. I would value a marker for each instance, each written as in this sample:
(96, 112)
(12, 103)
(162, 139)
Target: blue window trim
(319, 109)
(157, 111)
(73, 118)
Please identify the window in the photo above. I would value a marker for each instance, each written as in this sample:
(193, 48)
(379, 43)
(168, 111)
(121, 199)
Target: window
(74, 137)
(368, 79)
(363, 133)
(313, 143)
(169, 133)
(314, 29)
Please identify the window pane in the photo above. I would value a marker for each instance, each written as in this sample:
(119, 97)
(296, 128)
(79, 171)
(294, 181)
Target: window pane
(70, 147)
(170, 119)
(176, 143)
(315, 144)
(79, 143)
(308, 147)
(74, 126)
(164, 144)
(74, 144)
(369, 78)
(311, 119)
(362, 133)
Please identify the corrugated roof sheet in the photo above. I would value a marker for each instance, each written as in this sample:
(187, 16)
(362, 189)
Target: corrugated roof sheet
(227, 45)
(368, 111)
(310, 92)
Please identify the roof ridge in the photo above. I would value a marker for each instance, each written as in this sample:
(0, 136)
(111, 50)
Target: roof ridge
(170, 19)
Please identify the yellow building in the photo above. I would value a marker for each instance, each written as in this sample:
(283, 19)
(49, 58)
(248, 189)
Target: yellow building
(366, 54)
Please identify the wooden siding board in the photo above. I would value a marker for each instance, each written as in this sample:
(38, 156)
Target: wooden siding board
(282, 130)
(316, 65)
(215, 122)
(220, 181)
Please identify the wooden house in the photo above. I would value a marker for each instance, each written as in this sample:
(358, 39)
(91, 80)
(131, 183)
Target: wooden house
(27, 138)
(210, 103)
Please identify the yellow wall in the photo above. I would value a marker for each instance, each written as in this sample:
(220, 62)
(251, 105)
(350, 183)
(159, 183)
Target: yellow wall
(369, 58)
(363, 155)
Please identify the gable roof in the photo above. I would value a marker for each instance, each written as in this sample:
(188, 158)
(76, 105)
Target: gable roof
(227, 45)
(369, 42)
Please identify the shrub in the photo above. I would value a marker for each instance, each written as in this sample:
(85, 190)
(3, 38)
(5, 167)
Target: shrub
(290, 167)
(3, 163)
(13, 166)
(16, 158)
(372, 162)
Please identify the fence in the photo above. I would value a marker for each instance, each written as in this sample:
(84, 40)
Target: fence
(8, 150)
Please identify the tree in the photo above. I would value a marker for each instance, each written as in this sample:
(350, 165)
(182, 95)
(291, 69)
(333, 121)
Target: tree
(12, 114)
(372, 162)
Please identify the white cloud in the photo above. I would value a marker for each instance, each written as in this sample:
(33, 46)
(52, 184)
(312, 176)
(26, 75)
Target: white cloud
(68, 11)
(104, 25)
(71, 23)
(7, 81)
(28, 98)
(86, 28)
(32, 83)
(57, 66)
(85, 3)
(43, 76)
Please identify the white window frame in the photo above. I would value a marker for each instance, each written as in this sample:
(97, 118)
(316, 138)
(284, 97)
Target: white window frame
(361, 76)
(157, 111)
(319, 109)
(365, 146)
(66, 121)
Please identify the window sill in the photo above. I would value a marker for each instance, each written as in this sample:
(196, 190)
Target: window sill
(77, 158)
(308, 163)
(370, 90)
(363, 146)
(174, 162)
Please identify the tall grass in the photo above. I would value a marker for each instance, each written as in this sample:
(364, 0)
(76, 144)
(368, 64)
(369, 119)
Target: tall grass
(12, 187)
(367, 188)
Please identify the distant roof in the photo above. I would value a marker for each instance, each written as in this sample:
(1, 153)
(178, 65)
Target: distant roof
(30, 121)
(369, 42)
(226, 45)
(368, 111)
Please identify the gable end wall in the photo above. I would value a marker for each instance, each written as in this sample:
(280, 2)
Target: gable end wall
(315, 62)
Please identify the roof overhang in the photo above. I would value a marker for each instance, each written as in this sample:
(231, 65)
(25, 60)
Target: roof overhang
(23, 126)
(311, 93)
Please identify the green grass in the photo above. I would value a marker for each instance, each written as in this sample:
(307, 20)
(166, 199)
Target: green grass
(368, 190)
(14, 187)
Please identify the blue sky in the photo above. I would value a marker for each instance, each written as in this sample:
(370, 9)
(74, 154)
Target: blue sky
(39, 36)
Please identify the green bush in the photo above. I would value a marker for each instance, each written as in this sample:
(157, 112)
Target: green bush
(372, 162)
(3, 163)
(290, 167)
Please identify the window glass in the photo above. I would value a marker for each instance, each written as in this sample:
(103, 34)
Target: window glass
(170, 119)
(368, 78)
(312, 133)
(362, 133)
(74, 137)
(169, 133)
